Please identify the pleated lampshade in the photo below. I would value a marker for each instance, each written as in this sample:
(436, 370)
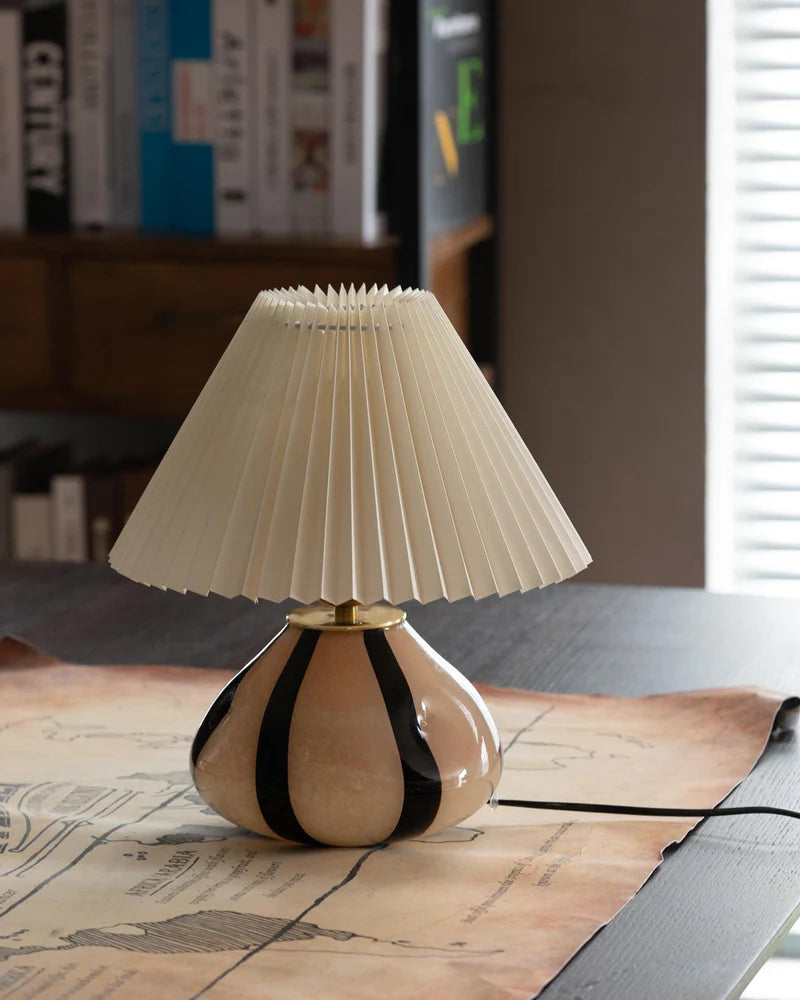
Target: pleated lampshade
(347, 448)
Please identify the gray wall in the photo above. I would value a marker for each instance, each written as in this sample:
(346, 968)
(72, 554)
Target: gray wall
(602, 215)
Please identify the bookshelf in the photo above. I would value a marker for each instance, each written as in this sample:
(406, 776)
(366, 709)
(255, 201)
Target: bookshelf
(122, 322)
(113, 321)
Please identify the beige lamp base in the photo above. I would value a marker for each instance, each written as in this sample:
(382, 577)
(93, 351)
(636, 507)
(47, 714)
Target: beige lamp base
(347, 734)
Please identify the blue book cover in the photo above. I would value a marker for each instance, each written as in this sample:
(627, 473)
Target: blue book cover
(155, 145)
(192, 115)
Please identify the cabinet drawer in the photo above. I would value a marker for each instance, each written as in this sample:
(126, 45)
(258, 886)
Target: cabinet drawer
(146, 335)
(25, 360)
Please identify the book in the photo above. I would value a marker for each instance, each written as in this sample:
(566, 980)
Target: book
(310, 45)
(70, 519)
(234, 139)
(12, 200)
(454, 128)
(45, 87)
(89, 34)
(102, 510)
(124, 115)
(192, 116)
(355, 54)
(32, 530)
(85, 512)
(272, 114)
(155, 115)
(132, 482)
(437, 165)
(8, 457)
(310, 162)
(26, 467)
(310, 111)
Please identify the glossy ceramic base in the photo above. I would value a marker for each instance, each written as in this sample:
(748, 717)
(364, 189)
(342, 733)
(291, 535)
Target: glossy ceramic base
(347, 738)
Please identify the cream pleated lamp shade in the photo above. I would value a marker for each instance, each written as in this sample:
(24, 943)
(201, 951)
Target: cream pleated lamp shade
(347, 447)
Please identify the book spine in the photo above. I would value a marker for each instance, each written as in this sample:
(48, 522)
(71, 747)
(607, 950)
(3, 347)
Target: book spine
(401, 174)
(89, 33)
(45, 86)
(310, 111)
(272, 74)
(101, 503)
(12, 215)
(192, 115)
(310, 162)
(100, 539)
(233, 131)
(32, 526)
(5, 510)
(355, 90)
(68, 493)
(124, 115)
(454, 124)
(154, 100)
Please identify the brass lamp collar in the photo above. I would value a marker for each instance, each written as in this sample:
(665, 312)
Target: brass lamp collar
(349, 617)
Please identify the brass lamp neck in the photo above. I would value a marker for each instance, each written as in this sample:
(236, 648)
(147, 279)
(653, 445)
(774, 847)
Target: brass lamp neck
(345, 614)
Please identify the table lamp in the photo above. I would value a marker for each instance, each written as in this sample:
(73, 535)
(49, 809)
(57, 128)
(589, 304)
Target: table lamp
(345, 451)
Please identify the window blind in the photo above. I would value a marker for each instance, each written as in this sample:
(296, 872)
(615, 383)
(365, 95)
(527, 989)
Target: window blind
(753, 360)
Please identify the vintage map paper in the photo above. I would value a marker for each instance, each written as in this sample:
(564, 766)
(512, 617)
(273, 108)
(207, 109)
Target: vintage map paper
(117, 882)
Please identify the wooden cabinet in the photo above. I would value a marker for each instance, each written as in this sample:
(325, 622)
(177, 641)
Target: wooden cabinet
(134, 325)
(127, 324)
(146, 334)
(25, 356)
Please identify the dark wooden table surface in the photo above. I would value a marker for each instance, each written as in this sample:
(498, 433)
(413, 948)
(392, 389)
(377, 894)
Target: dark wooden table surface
(703, 923)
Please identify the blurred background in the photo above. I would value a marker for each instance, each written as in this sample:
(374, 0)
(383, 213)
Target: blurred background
(604, 197)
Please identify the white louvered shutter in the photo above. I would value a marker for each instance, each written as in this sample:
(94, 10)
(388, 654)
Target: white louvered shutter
(753, 487)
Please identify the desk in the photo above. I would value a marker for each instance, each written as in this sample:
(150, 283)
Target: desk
(705, 921)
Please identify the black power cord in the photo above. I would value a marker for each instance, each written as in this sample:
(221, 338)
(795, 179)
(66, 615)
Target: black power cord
(601, 807)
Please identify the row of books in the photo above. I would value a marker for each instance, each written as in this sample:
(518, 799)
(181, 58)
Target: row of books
(52, 509)
(198, 116)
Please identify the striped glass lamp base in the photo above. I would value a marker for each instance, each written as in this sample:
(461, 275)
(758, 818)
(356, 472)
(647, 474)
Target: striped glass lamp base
(348, 737)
